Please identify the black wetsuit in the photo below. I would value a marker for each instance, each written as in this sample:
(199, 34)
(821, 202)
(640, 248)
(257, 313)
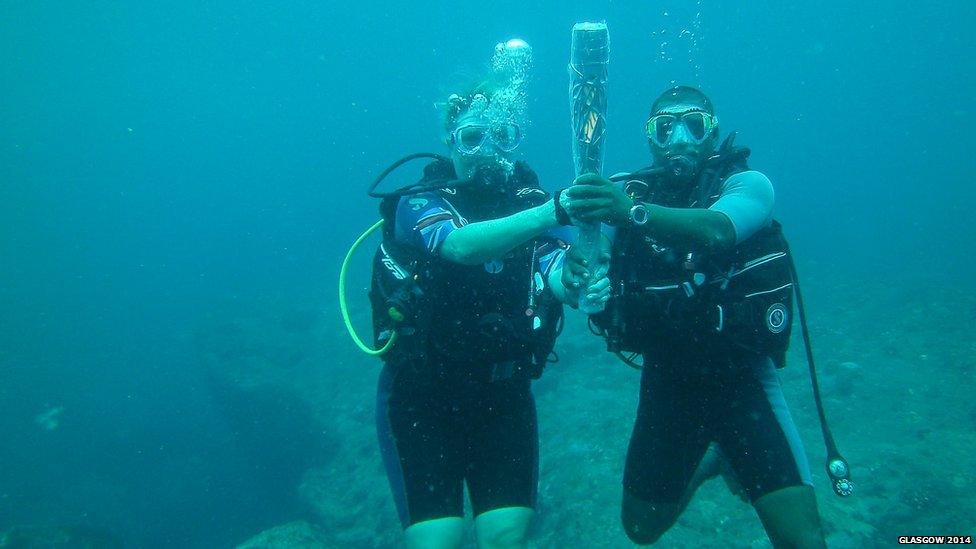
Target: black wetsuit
(464, 413)
(696, 386)
(691, 400)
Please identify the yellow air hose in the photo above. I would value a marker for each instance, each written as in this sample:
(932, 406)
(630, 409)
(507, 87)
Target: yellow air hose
(342, 296)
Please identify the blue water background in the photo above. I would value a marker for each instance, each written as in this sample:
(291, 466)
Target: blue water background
(162, 164)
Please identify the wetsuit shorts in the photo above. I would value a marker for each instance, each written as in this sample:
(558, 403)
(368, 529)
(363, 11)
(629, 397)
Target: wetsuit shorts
(436, 435)
(687, 403)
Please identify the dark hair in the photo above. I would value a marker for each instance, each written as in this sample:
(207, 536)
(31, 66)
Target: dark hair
(682, 95)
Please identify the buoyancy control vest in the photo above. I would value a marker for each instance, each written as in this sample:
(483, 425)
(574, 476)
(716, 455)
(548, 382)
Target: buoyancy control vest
(668, 300)
(497, 317)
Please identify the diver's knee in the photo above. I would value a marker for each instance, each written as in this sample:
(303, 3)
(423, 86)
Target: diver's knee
(791, 519)
(503, 528)
(641, 534)
(502, 535)
(645, 522)
(442, 533)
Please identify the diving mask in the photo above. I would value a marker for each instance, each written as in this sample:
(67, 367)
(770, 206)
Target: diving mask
(698, 125)
(469, 139)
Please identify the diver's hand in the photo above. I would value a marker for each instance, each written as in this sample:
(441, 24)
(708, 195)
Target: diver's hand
(594, 199)
(576, 275)
(599, 291)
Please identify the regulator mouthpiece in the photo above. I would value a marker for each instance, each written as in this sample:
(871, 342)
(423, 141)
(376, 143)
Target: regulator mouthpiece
(681, 166)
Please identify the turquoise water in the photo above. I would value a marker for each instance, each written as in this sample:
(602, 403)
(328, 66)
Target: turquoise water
(178, 184)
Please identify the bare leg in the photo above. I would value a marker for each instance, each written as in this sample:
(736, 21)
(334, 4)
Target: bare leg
(503, 528)
(790, 518)
(442, 533)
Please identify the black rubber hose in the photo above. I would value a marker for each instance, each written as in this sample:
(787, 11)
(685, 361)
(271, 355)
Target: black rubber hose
(403, 190)
(840, 479)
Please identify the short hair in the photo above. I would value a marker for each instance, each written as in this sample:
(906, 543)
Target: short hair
(682, 95)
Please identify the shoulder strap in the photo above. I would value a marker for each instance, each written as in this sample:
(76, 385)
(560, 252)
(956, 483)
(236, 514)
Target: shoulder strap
(727, 160)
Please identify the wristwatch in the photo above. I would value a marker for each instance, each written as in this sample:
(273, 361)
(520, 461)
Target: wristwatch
(639, 214)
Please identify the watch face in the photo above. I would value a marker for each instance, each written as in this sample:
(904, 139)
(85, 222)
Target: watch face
(638, 214)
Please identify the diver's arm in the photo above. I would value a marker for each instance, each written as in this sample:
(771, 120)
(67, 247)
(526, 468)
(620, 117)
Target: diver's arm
(690, 228)
(744, 207)
(484, 241)
(594, 198)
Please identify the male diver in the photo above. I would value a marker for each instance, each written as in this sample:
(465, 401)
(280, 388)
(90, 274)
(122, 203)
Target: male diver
(701, 290)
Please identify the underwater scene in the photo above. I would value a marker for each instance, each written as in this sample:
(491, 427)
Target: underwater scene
(182, 185)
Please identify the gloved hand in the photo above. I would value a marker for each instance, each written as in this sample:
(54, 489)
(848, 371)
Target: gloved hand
(593, 198)
(577, 275)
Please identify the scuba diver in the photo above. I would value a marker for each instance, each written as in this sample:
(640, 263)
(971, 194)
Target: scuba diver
(701, 286)
(463, 310)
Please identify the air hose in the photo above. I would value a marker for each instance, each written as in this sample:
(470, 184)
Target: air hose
(342, 296)
(838, 469)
